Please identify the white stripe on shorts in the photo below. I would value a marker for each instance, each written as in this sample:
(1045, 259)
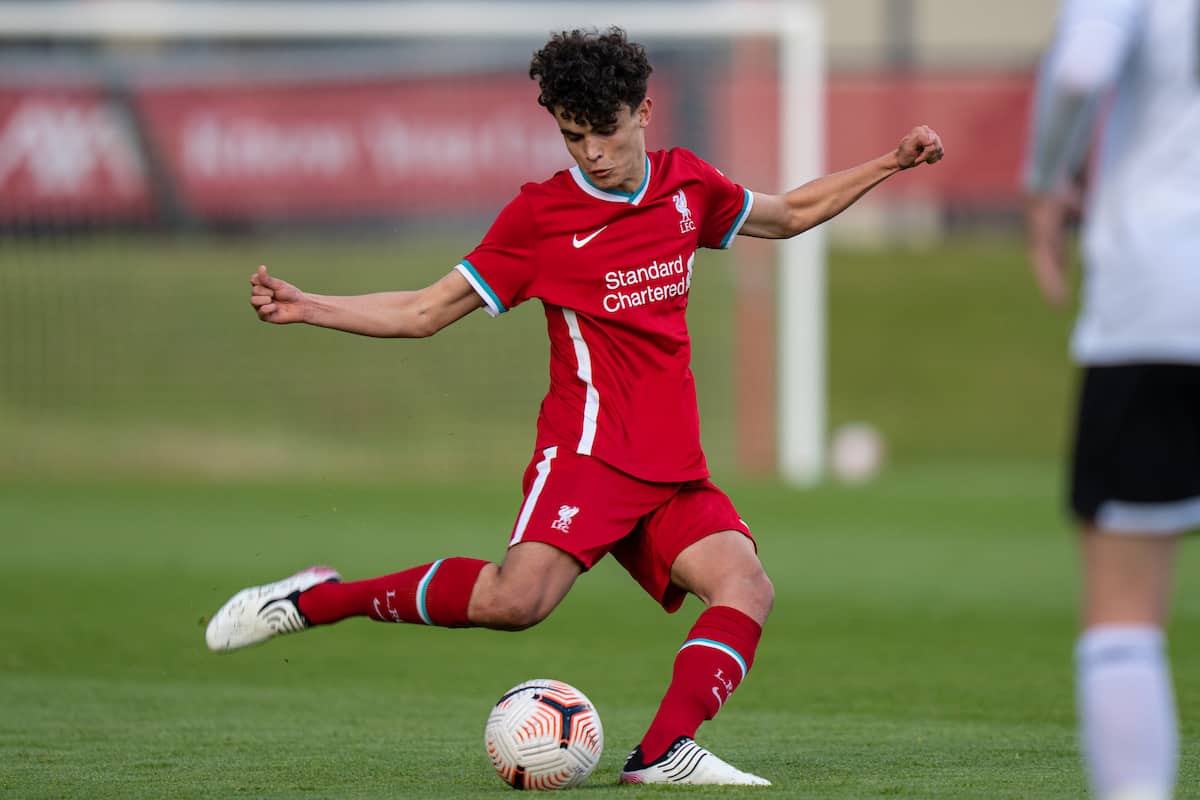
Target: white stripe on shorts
(543, 472)
(1179, 516)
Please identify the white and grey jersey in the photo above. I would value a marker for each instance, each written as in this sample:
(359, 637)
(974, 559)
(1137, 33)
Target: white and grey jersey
(1136, 63)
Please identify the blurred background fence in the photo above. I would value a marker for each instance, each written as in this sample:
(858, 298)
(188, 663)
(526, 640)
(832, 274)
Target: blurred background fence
(142, 182)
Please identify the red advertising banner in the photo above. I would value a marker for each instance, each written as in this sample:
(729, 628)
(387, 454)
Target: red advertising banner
(276, 150)
(983, 120)
(67, 155)
(368, 148)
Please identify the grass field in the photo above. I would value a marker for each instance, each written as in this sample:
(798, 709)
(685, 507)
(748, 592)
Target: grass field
(159, 449)
(920, 647)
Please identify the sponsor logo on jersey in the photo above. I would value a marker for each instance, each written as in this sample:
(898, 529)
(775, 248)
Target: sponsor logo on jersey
(685, 215)
(653, 283)
(565, 515)
(575, 240)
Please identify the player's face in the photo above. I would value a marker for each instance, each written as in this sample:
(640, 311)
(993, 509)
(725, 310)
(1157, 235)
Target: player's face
(612, 156)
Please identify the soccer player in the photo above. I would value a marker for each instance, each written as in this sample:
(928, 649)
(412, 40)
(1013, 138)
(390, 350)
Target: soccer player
(608, 247)
(1136, 467)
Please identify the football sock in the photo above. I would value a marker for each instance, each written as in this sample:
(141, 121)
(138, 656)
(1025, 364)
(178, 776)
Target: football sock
(712, 662)
(1126, 711)
(432, 594)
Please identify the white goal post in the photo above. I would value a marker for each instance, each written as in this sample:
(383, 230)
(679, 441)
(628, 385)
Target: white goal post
(796, 25)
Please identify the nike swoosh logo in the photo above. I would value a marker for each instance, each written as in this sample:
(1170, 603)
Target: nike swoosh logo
(575, 240)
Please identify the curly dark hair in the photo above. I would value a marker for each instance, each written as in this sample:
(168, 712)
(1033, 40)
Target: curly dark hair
(591, 75)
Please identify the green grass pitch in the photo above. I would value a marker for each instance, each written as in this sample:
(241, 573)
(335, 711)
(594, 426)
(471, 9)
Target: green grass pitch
(920, 646)
(160, 449)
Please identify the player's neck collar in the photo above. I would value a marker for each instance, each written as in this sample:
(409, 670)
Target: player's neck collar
(632, 198)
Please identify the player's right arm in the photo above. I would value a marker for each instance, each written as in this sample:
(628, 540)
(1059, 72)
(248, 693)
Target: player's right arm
(1091, 43)
(407, 315)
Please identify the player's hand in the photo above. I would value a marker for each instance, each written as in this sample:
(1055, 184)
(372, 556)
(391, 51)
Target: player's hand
(1046, 226)
(921, 145)
(275, 300)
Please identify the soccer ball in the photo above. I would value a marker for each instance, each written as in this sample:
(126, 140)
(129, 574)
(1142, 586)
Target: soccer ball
(544, 734)
(856, 452)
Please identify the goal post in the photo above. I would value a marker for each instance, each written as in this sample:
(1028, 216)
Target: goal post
(796, 26)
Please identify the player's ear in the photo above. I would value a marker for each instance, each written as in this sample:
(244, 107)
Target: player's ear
(642, 112)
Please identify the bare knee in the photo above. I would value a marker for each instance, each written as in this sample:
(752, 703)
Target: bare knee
(750, 591)
(524, 590)
(768, 592)
(723, 570)
(747, 589)
(514, 614)
(497, 605)
(1126, 577)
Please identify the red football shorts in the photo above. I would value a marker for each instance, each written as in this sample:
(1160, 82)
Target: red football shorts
(584, 507)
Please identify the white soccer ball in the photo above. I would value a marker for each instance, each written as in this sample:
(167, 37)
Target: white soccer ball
(544, 734)
(856, 452)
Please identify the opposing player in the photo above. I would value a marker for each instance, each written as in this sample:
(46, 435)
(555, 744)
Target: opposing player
(609, 248)
(1136, 468)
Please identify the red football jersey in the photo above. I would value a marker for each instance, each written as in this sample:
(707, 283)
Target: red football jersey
(613, 271)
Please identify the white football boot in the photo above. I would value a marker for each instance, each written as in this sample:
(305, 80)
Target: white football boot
(256, 614)
(686, 762)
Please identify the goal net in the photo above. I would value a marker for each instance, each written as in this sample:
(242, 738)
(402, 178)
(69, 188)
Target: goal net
(152, 154)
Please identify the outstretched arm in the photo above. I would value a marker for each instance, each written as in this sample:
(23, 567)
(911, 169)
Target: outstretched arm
(781, 216)
(409, 315)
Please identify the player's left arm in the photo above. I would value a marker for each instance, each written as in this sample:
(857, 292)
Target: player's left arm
(781, 216)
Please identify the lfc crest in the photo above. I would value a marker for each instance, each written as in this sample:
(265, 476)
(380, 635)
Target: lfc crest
(685, 215)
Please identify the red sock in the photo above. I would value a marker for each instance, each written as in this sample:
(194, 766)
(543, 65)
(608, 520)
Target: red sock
(433, 594)
(712, 662)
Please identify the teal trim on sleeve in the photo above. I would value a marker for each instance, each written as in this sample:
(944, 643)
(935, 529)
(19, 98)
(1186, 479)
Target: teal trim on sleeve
(747, 202)
(481, 285)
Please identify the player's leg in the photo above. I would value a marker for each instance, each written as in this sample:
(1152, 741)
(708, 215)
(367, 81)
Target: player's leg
(1126, 704)
(723, 570)
(1136, 486)
(454, 592)
(575, 508)
(449, 593)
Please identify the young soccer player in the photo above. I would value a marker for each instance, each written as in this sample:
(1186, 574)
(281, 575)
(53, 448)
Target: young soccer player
(608, 247)
(1136, 468)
